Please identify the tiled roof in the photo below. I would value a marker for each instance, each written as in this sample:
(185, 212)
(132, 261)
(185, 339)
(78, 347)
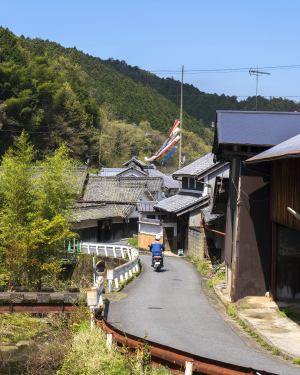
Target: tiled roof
(135, 160)
(84, 211)
(209, 216)
(179, 202)
(196, 167)
(146, 206)
(287, 149)
(256, 128)
(168, 181)
(80, 176)
(150, 221)
(153, 184)
(93, 211)
(139, 172)
(113, 189)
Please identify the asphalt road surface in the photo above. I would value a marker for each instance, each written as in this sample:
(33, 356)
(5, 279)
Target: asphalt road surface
(172, 308)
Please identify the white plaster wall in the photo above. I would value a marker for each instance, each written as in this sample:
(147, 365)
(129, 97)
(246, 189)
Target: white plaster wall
(150, 229)
(195, 218)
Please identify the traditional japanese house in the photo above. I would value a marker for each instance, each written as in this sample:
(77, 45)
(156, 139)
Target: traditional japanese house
(238, 137)
(137, 168)
(283, 162)
(108, 208)
(185, 209)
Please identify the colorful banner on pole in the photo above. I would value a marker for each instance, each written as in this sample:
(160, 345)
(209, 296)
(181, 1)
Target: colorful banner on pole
(169, 142)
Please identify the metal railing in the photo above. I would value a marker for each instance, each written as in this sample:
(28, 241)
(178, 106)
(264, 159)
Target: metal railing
(117, 251)
(94, 298)
(177, 361)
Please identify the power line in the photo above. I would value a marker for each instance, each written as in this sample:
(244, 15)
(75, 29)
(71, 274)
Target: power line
(224, 70)
(147, 94)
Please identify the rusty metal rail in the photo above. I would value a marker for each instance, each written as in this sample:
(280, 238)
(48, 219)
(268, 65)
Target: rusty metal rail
(37, 308)
(177, 361)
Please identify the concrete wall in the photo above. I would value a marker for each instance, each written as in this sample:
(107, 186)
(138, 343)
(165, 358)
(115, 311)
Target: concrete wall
(196, 243)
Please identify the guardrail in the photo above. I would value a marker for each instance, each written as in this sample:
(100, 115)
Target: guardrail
(117, 251)
(94, 298)
(177, 361)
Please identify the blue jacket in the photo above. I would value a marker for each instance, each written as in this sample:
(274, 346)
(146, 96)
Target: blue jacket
(157, 248)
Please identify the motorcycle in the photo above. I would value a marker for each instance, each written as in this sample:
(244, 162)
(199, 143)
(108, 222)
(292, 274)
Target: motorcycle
(157, 262)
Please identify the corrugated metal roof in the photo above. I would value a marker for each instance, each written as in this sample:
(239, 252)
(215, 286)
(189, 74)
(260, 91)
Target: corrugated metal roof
(256, 128)
(179, 202)
(111, 171)
(168, 181)
(287, 149)
(146, 206)
(209, 216)
(196, 167)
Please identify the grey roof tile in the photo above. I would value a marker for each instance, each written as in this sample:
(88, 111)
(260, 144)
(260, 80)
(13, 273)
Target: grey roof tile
(94, 211)
(287, 149)
(146, 206)
(179, 202)
(112, 189)
(209, 216)
(135, 160)
(196, 167)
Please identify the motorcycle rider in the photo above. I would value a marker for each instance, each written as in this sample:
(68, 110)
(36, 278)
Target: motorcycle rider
(156, 248)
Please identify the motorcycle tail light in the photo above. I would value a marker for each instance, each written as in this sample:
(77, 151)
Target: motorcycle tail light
(157, 259)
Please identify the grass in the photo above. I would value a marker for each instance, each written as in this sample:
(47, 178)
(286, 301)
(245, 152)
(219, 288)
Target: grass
(21, 327)
(133, 241)
(290, 313)
(275, 351)
(89, 355)
(296, 361)
(210, 283)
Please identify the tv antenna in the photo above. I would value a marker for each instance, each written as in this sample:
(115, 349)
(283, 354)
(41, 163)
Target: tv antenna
(256, 73)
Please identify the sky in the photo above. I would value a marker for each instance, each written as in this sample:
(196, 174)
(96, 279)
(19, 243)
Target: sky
(166, 35)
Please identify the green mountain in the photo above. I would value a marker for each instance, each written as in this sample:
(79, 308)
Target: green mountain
(90, 107)
(128, 100)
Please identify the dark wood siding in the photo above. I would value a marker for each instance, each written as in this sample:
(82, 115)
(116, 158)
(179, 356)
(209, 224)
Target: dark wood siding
(285, 191)
(253, 237)
(185, 182)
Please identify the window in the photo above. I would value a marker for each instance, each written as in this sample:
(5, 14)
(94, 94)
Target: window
(151, 216)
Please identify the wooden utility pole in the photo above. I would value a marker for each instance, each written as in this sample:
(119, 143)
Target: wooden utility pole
(181, 118)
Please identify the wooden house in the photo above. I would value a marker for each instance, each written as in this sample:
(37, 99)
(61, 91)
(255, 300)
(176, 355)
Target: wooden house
(238, 137)
(283, 162)
(184, 210)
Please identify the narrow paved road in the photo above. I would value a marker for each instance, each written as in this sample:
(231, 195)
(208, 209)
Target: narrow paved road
(173, 309)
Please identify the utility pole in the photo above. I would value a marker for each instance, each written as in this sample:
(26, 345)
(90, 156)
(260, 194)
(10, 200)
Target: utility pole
(181, 118)
(256, 73)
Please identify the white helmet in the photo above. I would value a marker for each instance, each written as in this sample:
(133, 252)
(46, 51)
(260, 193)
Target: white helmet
(157, 237)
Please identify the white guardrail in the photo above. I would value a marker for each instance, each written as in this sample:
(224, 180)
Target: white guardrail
(94, 297)
(117, 251)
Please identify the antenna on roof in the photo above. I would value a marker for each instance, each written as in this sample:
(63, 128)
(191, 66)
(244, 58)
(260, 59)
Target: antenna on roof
(256, 73)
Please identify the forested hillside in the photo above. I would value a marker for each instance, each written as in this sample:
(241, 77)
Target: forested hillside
(56, 101)
(197, 103)
(103, 108)
(128, 100)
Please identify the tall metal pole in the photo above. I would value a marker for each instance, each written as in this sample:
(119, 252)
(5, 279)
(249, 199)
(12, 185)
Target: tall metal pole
(181, 118)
